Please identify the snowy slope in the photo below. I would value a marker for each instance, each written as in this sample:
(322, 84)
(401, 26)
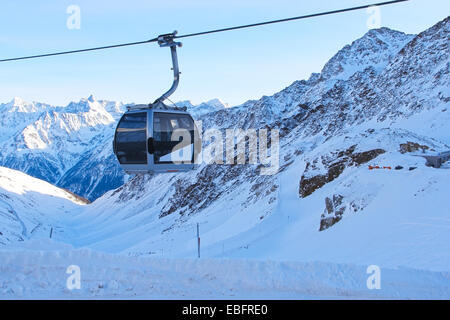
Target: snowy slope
(30, 207)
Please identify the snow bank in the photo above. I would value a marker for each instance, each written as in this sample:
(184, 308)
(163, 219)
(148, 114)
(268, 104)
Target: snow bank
(42, 274)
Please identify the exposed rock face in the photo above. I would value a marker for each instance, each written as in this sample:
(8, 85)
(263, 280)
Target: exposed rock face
(335, 208)
(334, 164)
(213, 182)
(193, 196)
(412, 146)
(333, 212)
(134, 189)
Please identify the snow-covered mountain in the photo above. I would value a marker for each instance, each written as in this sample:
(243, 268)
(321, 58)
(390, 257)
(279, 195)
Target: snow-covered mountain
(70, 146)
(47, 141)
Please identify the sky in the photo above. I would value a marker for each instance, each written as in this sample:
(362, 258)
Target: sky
(234, 66)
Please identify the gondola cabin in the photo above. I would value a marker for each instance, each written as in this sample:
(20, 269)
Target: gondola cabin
(156, 140)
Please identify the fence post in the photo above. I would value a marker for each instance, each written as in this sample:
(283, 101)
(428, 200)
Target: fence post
(198, 240)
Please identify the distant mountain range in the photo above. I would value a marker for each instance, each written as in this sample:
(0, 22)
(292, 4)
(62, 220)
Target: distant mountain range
(70, 146)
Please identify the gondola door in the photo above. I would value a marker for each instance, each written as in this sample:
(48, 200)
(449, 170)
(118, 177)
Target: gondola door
(172, 142)
(130, 143)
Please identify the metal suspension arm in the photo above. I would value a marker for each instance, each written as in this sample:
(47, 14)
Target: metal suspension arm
(167, 40)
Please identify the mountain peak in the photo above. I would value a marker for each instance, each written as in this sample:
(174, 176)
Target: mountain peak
(16, 101)
(205, 107)
(217, 103)
(386, 36)
(18, 104)
(198, 110)
(375, 49)
(383, 31)
(86, 105)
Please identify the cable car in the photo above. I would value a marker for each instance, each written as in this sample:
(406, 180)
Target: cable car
(156, 138)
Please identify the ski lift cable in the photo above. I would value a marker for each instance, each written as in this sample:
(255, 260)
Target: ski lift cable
(78, 51)
(291, 19)
(208, 32)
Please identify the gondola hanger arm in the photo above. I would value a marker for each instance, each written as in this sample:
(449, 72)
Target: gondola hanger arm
(167, 40)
